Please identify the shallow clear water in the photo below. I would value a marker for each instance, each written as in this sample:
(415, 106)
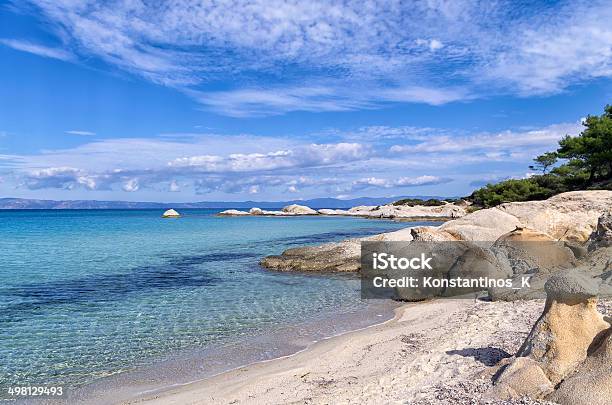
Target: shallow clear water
(85, 294)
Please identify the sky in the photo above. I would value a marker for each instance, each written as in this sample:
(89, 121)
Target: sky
(190, 100)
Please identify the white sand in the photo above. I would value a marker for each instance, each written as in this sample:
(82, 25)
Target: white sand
(439, 351)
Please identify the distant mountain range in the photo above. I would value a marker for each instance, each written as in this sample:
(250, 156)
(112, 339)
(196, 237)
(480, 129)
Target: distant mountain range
(23, 203)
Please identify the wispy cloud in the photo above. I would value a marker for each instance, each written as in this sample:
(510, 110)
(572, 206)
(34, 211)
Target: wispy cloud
(81, 133)
(37, 49)
(350, 56)
(372, 158)
(375, 182)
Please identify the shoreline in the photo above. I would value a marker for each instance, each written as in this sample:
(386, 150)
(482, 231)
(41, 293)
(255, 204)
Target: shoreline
(448, 338)
(192, 366)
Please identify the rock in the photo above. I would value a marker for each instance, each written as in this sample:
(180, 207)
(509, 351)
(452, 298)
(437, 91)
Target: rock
(602, 236)
(560, 338)
(430, 234)
(277, 213)
(342, 256)
(299, 210)
(522, 377)
(483, 226)
(326, 211)
(591, 383)
(256, 211)
(330, 257)
(568, 347)
(526, 250)
(171, 214)
(568, 216)
(404, 211)
(234, 213)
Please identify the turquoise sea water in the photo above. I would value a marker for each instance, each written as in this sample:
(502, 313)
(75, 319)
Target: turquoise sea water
(85, 294)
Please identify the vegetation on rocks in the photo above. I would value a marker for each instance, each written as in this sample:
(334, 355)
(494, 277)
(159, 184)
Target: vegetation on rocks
(411, 202)
(587, 165)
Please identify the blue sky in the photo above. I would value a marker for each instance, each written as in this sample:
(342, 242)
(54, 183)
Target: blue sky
(267, 100)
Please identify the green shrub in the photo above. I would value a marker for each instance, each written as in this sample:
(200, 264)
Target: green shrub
(411, 202)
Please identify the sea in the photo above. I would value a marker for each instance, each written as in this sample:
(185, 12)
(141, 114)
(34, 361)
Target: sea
(90, 294)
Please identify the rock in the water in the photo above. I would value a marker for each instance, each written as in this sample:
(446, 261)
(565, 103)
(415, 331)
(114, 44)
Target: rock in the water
(171, 214)
(299, 210)
(233, 213)
(591, 383)
(330, 257)
(561, 337)
(256, 211)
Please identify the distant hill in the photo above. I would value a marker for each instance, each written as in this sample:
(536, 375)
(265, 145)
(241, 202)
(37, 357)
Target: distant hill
(23, 203)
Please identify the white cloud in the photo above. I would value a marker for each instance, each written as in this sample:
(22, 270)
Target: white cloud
(59, 177)
(351, 56)
(375, 182)
(174, 187)
(131, 185)
(37, 49)
(81, 133)
(266, 101)
(493, 146)
(313, 155)
(383, 158)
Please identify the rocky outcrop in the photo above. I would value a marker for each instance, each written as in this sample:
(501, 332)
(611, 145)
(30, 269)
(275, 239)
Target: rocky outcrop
(404, 211)
(330, 257)
(296, 209)
(566, 217)
(565, 341)
(233, 213)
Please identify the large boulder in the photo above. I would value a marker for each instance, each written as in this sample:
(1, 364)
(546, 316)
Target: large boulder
(482, 226)
(568, 216)
(256, 211)
(299, 210)
(526, 251)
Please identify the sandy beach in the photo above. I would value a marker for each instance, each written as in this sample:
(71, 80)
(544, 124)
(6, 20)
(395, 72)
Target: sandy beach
(440, 351)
